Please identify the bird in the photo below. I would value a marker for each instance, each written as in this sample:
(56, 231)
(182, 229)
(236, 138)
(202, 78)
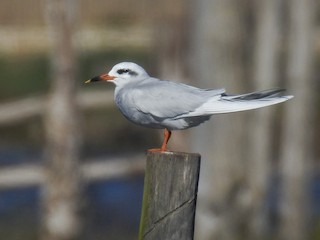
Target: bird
(169, 105)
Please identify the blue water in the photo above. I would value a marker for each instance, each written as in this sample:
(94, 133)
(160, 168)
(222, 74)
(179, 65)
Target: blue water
(112, 208)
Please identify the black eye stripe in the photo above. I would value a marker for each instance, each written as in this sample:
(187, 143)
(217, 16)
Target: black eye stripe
(132, 73)
(121, 71)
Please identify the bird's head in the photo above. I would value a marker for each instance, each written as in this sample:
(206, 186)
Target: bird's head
(122, 73)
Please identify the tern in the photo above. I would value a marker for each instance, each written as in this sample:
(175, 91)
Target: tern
(162, 104)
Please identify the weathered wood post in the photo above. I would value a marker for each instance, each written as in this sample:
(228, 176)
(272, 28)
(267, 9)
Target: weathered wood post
(170, 196)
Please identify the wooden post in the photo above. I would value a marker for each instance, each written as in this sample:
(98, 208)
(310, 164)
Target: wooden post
(170, 196)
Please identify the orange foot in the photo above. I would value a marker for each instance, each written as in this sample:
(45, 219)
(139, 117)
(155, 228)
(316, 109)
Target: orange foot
(157, 150)
(163, 148)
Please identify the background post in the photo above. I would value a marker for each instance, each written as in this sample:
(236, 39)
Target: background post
(170, 196)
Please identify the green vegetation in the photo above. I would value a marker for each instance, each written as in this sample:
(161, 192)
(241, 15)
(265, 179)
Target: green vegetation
(28, 75)
(104, 129)
(23, 75)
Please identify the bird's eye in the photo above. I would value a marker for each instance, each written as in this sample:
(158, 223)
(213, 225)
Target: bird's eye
(121, 71)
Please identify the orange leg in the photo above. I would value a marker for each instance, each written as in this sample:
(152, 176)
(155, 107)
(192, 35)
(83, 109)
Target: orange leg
(167, 135)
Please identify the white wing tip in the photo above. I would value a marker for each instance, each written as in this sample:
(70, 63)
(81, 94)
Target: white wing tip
(288, 97)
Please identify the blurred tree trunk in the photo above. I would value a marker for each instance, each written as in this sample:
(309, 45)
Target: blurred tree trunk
(62, 189)
(217, 59)
(170, 35)
(298, 143)
(265, 76)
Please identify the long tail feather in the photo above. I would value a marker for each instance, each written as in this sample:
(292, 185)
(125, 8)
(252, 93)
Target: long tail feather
(236, 103)
(256, 95)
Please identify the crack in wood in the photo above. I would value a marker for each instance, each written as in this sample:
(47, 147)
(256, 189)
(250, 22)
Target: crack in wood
(157, 222)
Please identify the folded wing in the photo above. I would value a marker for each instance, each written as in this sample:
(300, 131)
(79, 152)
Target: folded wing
(164, 99)
(236, 103)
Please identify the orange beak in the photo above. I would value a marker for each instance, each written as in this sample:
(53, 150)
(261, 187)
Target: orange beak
(103, 77)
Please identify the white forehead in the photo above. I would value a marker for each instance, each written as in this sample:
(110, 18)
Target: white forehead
(128, 65)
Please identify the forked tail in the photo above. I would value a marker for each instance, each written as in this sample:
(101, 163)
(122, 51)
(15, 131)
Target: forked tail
(235, 103)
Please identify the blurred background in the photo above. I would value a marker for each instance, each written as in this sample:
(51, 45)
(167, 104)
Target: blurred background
(71, 166)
